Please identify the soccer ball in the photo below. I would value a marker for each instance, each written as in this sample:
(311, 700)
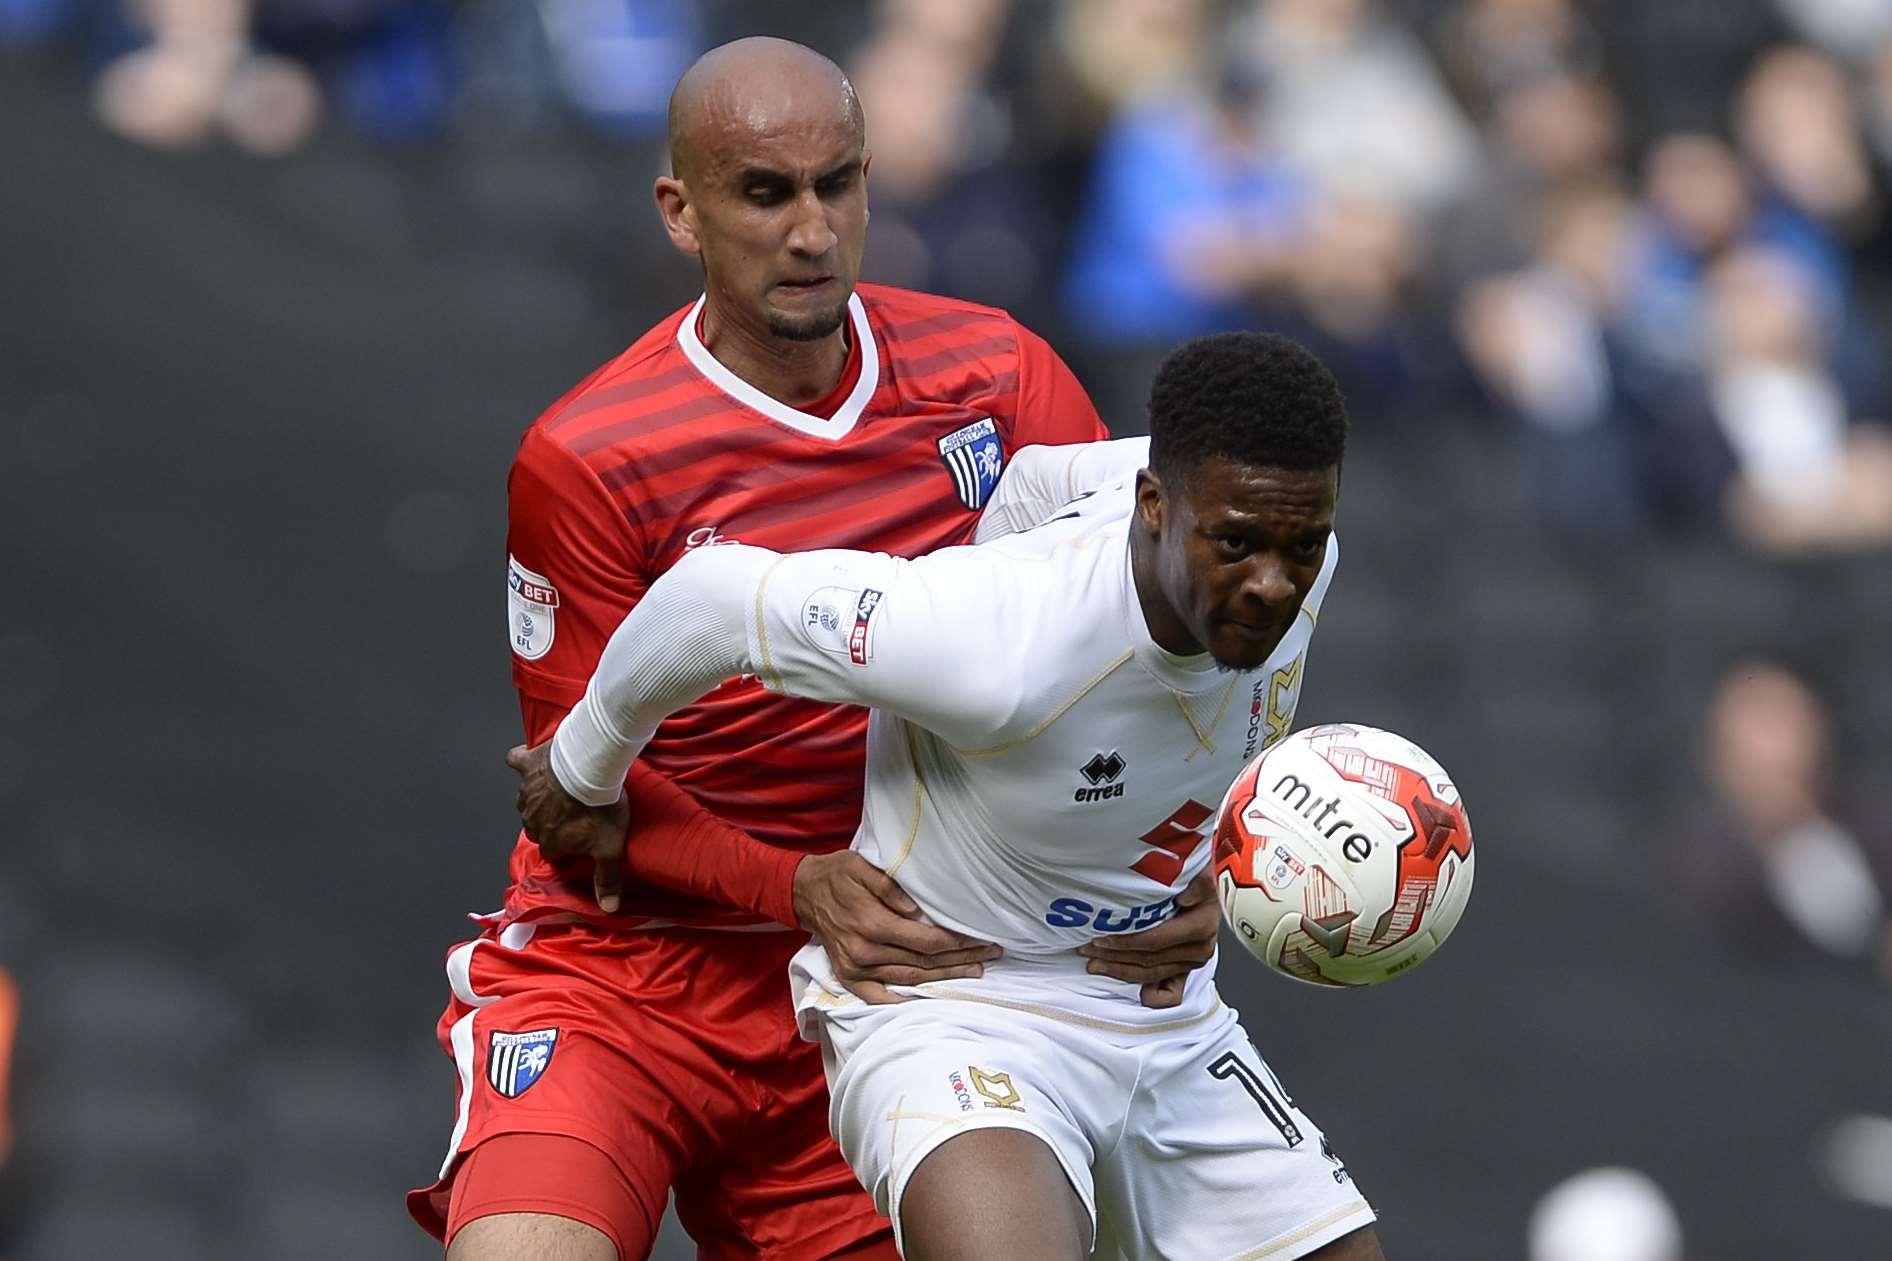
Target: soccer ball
(1343, 855)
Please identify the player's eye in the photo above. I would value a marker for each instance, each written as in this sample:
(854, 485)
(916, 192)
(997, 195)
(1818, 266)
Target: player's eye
(1231, 546)
(835, 185)
(765, 194)
(1307, 551)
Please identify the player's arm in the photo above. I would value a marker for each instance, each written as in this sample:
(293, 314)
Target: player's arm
(837, 626)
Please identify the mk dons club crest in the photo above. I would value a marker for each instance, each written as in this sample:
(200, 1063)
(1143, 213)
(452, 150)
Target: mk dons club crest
(974, 456)
(515, 1060)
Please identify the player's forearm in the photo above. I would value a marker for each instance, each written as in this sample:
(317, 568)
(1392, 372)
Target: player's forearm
(684, 637)
(676, 844)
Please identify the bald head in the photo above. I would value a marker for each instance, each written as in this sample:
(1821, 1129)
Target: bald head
(750, 91)
(768, 187)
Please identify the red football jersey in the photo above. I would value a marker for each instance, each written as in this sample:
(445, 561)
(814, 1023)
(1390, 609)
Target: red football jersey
(663, 449)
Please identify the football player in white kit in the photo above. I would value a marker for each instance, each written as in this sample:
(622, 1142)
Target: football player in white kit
(1058, 712)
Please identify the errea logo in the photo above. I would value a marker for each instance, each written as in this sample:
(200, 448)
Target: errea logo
(1102, 771)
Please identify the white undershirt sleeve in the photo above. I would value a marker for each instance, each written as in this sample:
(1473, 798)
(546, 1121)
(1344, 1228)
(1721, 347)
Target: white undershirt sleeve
(929, 640)
(687, 635)
(1039, 480)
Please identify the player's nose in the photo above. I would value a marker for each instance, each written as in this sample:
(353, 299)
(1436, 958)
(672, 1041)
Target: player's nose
(1267, 579)
(811, 236)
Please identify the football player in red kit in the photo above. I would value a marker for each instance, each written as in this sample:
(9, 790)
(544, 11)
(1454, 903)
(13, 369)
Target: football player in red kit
(622, 1030)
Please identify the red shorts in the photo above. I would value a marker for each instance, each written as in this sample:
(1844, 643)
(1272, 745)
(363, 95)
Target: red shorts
(674, 1053)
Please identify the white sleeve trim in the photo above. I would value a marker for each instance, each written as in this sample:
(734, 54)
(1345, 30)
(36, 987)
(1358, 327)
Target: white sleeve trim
(687, 635)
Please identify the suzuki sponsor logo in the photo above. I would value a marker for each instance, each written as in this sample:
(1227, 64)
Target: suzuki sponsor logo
(1070, 912)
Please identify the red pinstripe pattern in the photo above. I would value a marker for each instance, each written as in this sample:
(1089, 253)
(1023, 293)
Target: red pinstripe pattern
(783, 482)
(686, 466)
(650, 471)
(918, 368)
(644, 390)
(615, 428)
(909, 331)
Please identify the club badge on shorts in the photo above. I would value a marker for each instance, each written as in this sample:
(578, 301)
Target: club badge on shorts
(974, 456)
(515, 1060)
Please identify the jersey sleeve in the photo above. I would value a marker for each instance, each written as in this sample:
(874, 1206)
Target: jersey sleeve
(574, 569)
(844, 627)
(1052, 407)
(1039, 480)
(916, 638)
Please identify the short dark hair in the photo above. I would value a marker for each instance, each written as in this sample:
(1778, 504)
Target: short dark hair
(1253, 398)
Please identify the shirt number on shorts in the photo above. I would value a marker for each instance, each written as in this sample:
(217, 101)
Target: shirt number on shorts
(1271, 1104)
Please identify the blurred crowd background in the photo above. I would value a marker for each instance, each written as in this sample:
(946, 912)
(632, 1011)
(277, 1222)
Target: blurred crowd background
(1607, 284)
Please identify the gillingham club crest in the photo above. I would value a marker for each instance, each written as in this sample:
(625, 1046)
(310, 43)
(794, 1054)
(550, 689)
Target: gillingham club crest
(515, 1060)
(974, 456)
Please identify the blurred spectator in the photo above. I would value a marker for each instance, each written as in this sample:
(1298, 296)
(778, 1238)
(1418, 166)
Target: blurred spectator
(1190, 218)
(1767, 859)
(1076, 66)
(1806, 476)
(1607, 443)
(952, 210)
(1359, 254)
(1352, 100)
(1549, 132)
(1539, 340)
(1797, 125)
(200, 73)
(1608, 1214)
(1489, 47)
(1700, 206)
(1108, 55)
(609, 64)
(1844, 28)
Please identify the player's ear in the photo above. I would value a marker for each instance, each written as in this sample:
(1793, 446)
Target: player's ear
(1150, 501)
(678, 210)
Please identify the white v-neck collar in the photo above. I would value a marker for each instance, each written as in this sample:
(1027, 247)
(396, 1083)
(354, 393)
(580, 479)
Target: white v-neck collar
(832, 428)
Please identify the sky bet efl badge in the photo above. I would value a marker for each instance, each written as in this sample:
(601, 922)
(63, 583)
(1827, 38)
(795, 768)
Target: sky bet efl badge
(515, 1060)
(974, 457)
(531, 601)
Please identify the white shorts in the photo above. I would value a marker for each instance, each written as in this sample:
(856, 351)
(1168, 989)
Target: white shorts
(1182, 1143)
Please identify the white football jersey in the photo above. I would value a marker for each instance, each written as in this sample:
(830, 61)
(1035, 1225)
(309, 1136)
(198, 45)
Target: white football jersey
(1039, 772)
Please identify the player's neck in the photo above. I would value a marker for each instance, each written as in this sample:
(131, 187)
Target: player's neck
(792, 372)
(1159, 616)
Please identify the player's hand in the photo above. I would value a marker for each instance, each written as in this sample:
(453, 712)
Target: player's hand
(873, 932)
(1160, 959)
(564, 827)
